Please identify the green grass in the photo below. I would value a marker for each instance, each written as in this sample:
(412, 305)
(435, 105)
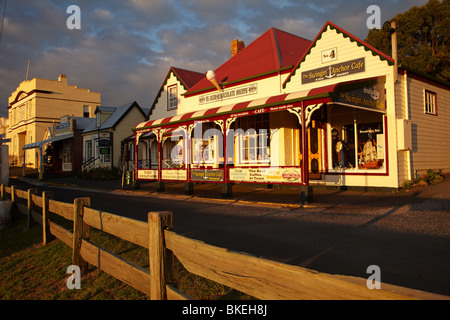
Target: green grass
(32, 271)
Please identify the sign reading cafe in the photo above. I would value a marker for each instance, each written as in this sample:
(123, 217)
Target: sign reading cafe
(335, 70)
(229, 94)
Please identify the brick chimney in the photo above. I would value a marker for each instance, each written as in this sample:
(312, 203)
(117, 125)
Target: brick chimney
(62, 78)
(236, 46)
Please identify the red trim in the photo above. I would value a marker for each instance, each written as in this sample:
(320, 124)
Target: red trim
(361, 41)
(240, 105)
(211, 111)
(186, 116)
(276, 99)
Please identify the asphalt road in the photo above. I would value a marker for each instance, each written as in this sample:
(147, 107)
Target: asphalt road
(409, 241)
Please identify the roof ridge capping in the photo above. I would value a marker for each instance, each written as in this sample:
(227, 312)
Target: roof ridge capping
(346, 34)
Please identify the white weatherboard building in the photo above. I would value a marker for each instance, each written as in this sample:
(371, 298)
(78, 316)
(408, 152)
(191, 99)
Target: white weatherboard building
(285, 110)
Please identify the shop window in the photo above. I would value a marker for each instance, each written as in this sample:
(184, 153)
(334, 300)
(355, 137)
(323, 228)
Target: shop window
(357, 139)
(253, 139)
(254, 146)
(430, 102)
(207, 146)
(371, 145)
(172, 98)
(172, 154)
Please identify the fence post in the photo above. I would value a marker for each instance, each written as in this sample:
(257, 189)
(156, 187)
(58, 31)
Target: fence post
(30, 206)
(46, 235)
(13, 194)
(160, 259)
(80, 232)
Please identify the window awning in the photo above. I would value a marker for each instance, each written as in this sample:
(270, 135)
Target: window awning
(39, 144)
(322, 93)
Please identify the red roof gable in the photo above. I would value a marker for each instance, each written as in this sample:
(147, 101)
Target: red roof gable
(188, 77)
(273, 50)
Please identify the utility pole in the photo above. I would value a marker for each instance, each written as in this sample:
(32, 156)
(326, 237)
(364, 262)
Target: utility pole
(394, 49)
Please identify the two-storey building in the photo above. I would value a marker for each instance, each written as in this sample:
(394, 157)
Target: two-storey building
(35, 105)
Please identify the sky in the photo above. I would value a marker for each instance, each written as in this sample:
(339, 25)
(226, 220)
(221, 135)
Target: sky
(124, 49)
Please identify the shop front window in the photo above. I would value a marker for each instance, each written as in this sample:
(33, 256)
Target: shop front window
(207, 144)
(370, 145)
(253, 139)
(357, 139)
(254, 146)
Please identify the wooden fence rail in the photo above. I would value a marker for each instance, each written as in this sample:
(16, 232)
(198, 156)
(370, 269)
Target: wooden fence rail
(260, 278)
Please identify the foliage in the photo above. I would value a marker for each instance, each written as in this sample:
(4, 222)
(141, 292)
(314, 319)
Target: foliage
(101, 174)
(430, 177)
(423, 36)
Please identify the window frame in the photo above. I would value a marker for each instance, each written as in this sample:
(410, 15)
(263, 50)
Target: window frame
(254, 139)
(357, 169)
(172, 98)
(430, 105)
(88, 150)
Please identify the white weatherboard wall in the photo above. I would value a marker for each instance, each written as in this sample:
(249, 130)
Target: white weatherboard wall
(430, 133)
(160, 110)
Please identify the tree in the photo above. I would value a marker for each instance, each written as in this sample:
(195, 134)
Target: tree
(423, 37)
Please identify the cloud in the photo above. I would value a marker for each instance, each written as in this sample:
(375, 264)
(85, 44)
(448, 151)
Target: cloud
(125, 48)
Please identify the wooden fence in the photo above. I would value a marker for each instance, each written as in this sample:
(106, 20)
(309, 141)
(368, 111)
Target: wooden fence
(260, 278)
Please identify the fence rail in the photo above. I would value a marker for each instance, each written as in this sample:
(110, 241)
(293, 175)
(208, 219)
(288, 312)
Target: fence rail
(258, 277)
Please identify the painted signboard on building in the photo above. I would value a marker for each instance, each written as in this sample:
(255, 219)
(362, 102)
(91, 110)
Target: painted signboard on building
(335, 70)
(368, 94)
(266, 175)
(229, 94)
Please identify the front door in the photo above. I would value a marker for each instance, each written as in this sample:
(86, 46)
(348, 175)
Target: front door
(315, 154)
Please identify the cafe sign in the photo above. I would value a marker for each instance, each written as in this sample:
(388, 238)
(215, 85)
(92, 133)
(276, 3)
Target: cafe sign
(207, 175)
(334, 71)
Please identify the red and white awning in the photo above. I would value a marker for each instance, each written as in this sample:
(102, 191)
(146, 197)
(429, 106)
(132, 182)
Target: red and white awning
(323, 93)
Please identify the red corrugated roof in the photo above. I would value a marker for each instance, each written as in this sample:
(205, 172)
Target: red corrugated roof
(273, 50)
(188, 77)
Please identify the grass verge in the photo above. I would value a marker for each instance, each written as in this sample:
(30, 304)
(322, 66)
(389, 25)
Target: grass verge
(32, 271)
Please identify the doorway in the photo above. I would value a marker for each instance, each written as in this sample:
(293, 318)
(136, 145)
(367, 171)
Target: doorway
(315, 152)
